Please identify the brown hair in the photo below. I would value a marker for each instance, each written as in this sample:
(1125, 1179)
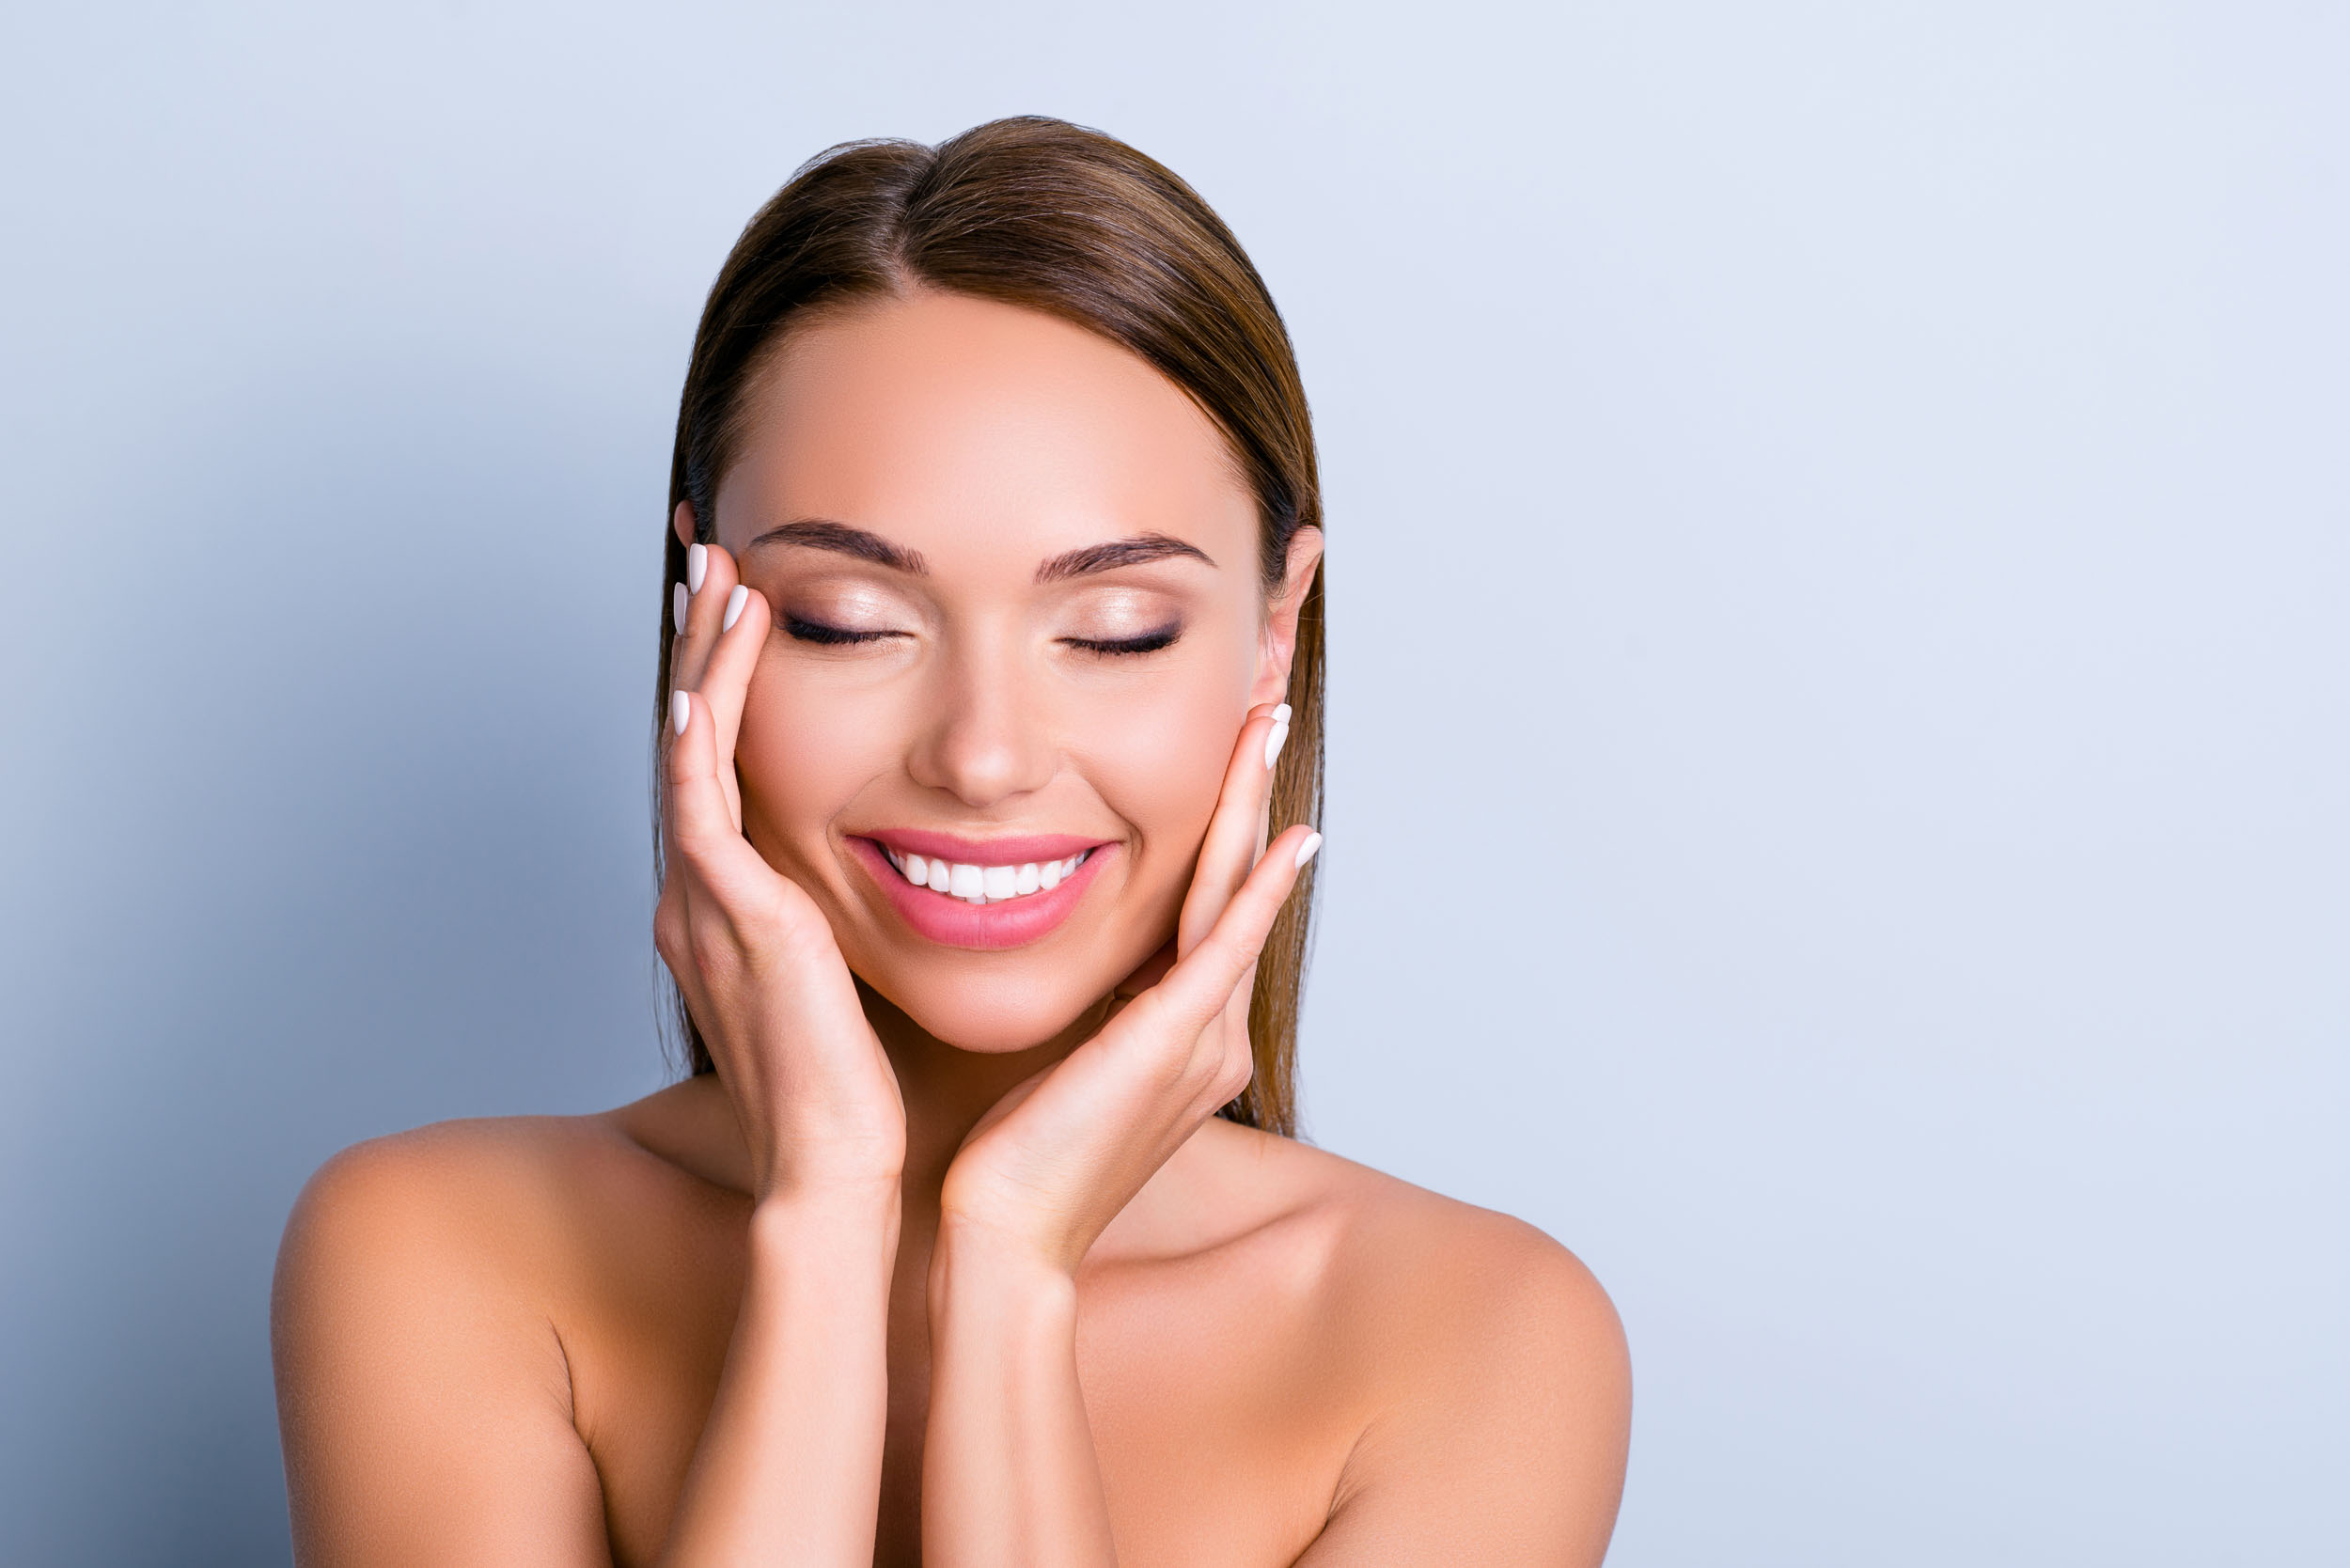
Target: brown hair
(1058, 218)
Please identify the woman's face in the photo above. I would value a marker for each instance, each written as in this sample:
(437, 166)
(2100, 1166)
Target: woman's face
(1018, 621)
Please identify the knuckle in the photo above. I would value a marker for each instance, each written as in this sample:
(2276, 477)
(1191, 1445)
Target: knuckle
(1239, 1070)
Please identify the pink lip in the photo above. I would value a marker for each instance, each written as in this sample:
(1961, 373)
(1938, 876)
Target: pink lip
(992, 927)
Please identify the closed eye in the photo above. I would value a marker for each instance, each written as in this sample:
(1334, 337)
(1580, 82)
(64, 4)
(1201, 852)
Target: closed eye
(1150, 642)
(810, 631)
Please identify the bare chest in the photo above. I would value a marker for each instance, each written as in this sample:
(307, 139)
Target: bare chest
(1220, 1413)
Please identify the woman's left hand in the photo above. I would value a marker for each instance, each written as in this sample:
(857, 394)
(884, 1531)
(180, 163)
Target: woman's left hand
(1053, 1163)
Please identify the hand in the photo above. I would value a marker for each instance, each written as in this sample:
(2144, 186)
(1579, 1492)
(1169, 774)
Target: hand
(1052, 1164)
(818, 1103)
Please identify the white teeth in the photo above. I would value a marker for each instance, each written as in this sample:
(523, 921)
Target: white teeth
(984, 884)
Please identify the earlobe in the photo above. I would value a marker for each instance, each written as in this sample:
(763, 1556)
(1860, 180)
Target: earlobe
(681, 521)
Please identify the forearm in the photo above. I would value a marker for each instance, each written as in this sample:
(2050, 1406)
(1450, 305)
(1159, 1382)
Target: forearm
(1009, 1474)
(789, 1466)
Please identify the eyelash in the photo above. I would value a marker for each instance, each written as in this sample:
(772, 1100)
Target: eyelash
(1150, 642)
(833, 636)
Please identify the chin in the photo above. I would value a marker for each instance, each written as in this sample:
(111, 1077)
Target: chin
(994, 1006)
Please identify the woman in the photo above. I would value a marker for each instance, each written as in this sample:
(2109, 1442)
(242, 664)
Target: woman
(993, 651)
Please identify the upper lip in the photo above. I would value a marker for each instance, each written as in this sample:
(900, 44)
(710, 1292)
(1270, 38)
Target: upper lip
(1035, 848)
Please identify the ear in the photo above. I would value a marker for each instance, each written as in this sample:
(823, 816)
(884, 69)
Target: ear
(1277, 645)
(682, 520)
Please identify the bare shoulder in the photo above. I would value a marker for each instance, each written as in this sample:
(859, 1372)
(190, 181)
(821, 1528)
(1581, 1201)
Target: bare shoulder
(1435, 1270)
(446, 1170)
(1494, 1369)
(492, 1191)
(512, 1192)
(471, 1224)
(424, 1390)
(448, 1243)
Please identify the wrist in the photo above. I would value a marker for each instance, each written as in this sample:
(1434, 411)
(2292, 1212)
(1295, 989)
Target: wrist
(839, 1222)
(977, 1270)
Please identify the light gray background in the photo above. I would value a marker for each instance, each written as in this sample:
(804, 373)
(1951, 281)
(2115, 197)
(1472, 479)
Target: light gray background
(1838, 554)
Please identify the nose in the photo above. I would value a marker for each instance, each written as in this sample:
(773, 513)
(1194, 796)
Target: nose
(987, 739)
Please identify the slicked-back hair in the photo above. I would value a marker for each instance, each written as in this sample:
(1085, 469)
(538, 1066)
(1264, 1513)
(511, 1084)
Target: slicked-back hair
(1056, 218)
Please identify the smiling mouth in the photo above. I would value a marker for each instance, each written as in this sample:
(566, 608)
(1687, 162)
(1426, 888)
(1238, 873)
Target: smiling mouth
(983, 884)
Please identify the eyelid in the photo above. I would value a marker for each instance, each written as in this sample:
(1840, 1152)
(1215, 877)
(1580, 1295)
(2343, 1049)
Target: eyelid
(833, 614)
(842, 599)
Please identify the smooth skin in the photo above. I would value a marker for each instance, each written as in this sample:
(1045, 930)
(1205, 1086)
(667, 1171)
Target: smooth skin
(950, 1260)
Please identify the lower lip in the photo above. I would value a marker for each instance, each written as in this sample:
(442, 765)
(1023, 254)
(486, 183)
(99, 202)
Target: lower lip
(988, 927)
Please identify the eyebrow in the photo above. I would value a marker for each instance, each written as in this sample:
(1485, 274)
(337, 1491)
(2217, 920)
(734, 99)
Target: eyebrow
(818, 534)
(1118, 553)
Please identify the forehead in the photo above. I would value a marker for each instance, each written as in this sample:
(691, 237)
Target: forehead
(984, 435)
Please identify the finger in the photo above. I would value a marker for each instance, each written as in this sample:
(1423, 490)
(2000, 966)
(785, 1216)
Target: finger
(705, 607)
(1204, 980)
(729, 878)
(701, 826)
(726, 678)
(1235, 832)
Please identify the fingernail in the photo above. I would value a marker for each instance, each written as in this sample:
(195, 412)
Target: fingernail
(1281, 714)
(735, 601)
(681, 713)
(1274, 741)
(1305, 850)
(697, 565)
(679, 599)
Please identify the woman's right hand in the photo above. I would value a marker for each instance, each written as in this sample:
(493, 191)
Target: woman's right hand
(817, 1101)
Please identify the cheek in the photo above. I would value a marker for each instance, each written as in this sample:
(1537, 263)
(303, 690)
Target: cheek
(802, 755)
(1160, 764)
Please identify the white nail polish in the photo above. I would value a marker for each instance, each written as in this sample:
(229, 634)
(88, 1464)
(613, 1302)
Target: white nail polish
(679, 599)
(697, 566)
(1274, 741)
(1281, 714)
(1306, 850)
(681, 712)
(735, 601)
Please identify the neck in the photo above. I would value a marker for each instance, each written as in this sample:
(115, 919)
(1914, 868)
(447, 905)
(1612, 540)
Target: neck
(948, 1088)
